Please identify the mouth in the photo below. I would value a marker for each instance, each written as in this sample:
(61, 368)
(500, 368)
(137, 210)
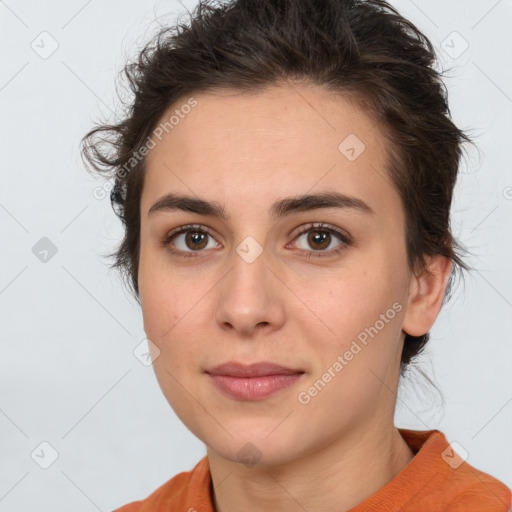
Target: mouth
(253, 382)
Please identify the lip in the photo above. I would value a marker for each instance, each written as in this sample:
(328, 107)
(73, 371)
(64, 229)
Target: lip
(252, 382)
(261, 369)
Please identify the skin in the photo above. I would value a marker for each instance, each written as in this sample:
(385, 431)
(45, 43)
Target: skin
(245, 151)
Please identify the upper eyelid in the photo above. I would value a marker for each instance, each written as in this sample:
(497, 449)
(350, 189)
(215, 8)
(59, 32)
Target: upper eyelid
(322, 227)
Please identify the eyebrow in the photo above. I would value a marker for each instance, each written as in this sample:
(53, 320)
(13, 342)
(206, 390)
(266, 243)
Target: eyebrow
(279, 209)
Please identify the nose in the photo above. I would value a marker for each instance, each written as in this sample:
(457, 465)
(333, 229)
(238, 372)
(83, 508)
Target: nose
(250, 298)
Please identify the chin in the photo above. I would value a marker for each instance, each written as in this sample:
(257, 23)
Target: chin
(255, 451)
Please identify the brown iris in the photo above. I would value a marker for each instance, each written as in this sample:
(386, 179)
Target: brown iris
(319, 237)
(196, 237)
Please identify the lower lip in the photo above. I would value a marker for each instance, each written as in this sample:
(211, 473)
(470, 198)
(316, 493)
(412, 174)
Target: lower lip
(253, 388)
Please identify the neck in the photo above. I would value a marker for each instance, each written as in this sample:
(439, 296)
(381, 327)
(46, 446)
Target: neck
(334, 478)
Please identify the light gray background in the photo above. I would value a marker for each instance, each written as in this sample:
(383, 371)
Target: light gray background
(68, 374)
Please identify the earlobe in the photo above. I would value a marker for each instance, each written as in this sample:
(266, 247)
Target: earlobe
(426, 294)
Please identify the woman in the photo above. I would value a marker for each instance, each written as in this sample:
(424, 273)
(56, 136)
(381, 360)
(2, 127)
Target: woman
(285, 176)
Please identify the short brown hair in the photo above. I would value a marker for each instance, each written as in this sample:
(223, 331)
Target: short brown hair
(363, 48)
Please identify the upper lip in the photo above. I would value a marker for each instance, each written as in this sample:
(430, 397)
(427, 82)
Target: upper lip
(235, 369)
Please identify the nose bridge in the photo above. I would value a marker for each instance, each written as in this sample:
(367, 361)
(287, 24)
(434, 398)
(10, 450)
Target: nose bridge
(249, 297)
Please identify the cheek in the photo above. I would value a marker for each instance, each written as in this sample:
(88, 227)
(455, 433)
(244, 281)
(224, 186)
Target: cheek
(158, 296)
(361, 313)
(158, 303)
(172, 311)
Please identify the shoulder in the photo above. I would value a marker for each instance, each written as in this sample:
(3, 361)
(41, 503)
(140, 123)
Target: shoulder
(185, 491)
(488, 495)
(473, 489)
(440, 475)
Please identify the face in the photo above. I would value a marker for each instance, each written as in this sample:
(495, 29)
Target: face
(319, 286)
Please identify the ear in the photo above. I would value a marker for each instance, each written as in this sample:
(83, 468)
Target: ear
(426, 294)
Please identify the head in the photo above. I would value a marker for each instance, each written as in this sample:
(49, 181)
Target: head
(314, 145)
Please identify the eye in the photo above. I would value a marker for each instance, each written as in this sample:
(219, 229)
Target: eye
(320, 237)
(188, 240)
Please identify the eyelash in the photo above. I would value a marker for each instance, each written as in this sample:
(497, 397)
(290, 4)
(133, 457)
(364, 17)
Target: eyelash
(344, 238)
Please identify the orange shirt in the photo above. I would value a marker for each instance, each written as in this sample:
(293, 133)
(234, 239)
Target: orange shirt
(436, 480)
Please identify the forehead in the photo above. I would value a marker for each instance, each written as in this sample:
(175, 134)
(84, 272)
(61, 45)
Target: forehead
(244, 148)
